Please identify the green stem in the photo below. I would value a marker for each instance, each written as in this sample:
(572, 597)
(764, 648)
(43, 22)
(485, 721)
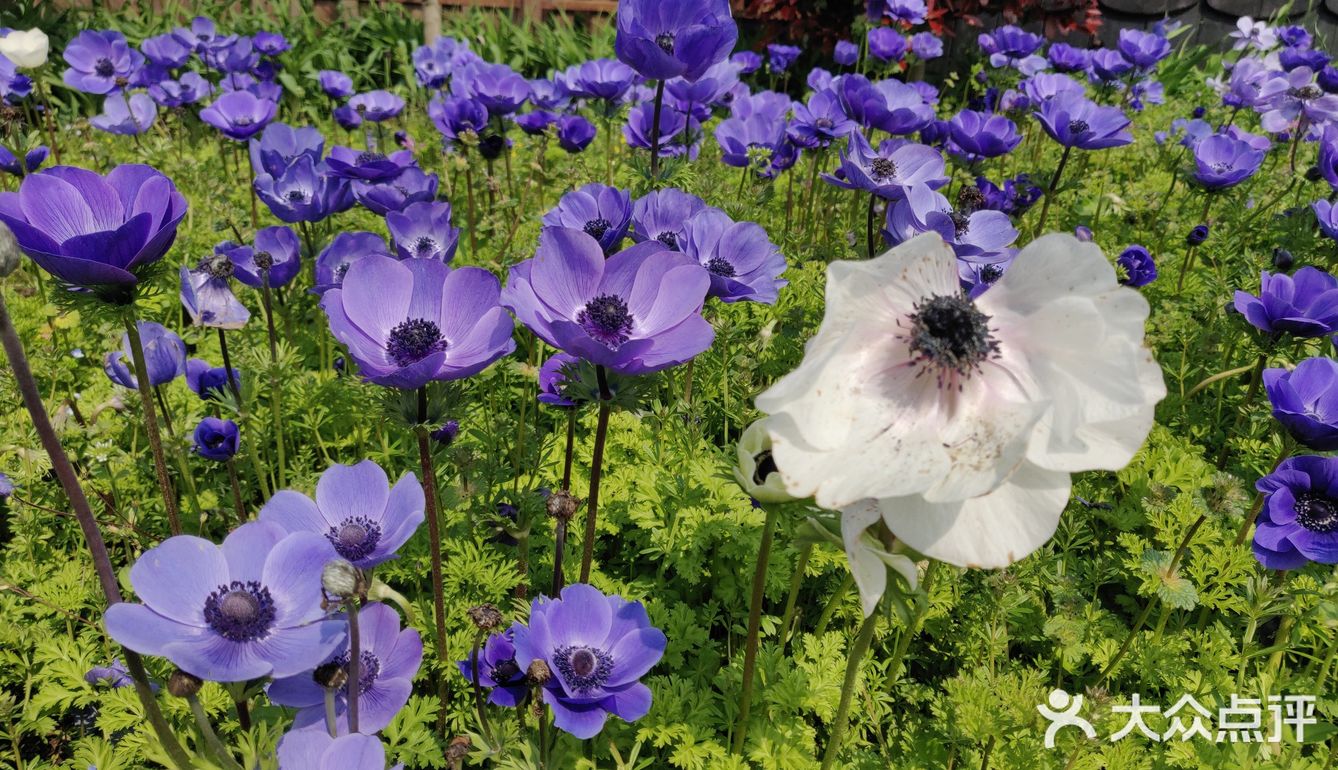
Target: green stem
(754, 622)
(275, 388)
(596, 470)
(1050, 191)
(839, 723)
(354, 664)
(797, 579)
(434, 542)
(917, 622)
(151, 423)
(210, 737)
(832, 603)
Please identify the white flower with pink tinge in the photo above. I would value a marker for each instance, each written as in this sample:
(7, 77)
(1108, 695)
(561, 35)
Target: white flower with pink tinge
(958, 421)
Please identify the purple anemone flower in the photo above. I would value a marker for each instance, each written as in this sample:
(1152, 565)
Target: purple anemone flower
(347, 117)
(497, 668)
(1084, 124)
(280, 144)
(409, 323)
(125, 117)
(602, 212)
(413, 185)
(231, 55)
(356, 509)
(1305, 401)
(1311, 58)
(636, 312)
(781, 56)
(668, 40)
(553, 378)
(548, 94)
(200, 34)
(926, 46)
(606, 79)
(270, 43)
(886, 44)
(597, 647)
(101, 61)
(574, 133)
(115, 675)
(164, 357)
(1107, 65)
(32, 160)
(209, 382)
(888, 171)
(1011, 46)
(1298, 523)
(239, 115)
(500, 89)
(316, 750)
(423, 231)
(1326, 216)
(1143, 49)
(216, 439)
(978, 135)
(90, 230)
(819, 79)
(662, 215)
(367, 165)
(303, 192)
(1303, 305)
(431, 68)
(977, 236)
(206, 293)
(388, 661)
(845, 53)
(335, 84)
(1138, 267)
(889, 105)
(1223, 161)
(343, 250)
(1288, 99)
(747, 62)
(740, 139)
(742, 261)
(189, 89)
(820, 122)
(247, 609)
(166, 50)
(536, 122)
(377, 106)
(1065, 58)
(455, 115)
(909, 12)
(274, 257)
(637, 130)
(1044, 86)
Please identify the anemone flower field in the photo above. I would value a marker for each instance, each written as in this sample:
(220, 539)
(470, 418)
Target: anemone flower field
(661, 390)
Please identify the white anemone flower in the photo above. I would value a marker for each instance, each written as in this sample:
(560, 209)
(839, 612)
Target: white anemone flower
(28, 49)
(960, 420)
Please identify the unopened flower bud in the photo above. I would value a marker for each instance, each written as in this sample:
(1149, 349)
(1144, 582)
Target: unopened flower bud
(756, 471)
(340, 578)
(331, 676)
(538, 672)
(485, 617)
(1282, 259)
(183, 684)
(1313, 174)
(445, 435)
(561, 506)
(9, 251)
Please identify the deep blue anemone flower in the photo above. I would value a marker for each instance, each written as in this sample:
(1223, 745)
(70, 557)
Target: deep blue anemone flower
(575, 133)
(1138, 266)
(680, 39)
(1303, 305)
(164, 357)
(216, 439)
(1305, 401)
(1298, 523)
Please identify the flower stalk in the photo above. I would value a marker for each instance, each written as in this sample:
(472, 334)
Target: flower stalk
(754, 621)
(841, 721)
(434, 538)
(151, 424)
(655, 135)
(596, 463)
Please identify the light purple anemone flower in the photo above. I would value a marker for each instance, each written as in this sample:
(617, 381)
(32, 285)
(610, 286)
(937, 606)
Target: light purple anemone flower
(888, 171)
(190, 88)
(423, 231)
(820, 122)
(742, 261)
(637, 129)
(1222, 161)
(377, 106)
(247, 609)
(662, 215)
(166, 50)
(597, 647)
(411, 322)
(636, 312)
(388, 661)
(280, 144)
(364, 518)
(101, 61)
(741, 138)
(980, 237)
(343, 250)
(553, 377)
(239, 115)
(206, 292)
(1288, 100)
(412, 185)
(125, 117)
(275, 256)
(603, 212)
(335, 84)
(367, 165)
(164, 357)
(316, 750)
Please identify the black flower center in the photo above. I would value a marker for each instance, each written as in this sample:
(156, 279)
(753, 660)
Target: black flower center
(882, 169)
(355, 538)
(970, 199)
(1079, 127)
(369, 668)
(596, 228)
(721, 266)
(961, 223)
(668, 238)
(949, 334)
(240, 611)
(425, 246)
(665, 40)
(104, 68)
(1305, 93)
(340, 271)
(216, 440)
(1317, 513)
(263, 259)
(583, 668)
(370, 156)
(991, 273)
(296, 196)
(607, 319)
(823, 123)
(216, 265)
(766, 465)
(506, 672)
(413, 340)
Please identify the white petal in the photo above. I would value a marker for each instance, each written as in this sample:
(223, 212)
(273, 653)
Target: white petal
(868, 561)
(1051, 267)
(985, 532)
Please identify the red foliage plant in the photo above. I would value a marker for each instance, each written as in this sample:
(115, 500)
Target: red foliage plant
(1057, 17)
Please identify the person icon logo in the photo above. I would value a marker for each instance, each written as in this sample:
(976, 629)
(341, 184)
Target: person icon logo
(1063, 712)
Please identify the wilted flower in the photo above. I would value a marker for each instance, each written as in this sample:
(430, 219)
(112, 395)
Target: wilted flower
(455, 115)
(189, 89)
(1251, 33)
(1305, 401)
(216, 439)
(411, 322)
(388, 661)
(27, 48)
(740, 138)
(536, 122)
(635, 312)
(164, 357)
(966, 424)
(206, 292)
(248, 609)
(596, 648)
(1298, 523)
(1303, 305)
